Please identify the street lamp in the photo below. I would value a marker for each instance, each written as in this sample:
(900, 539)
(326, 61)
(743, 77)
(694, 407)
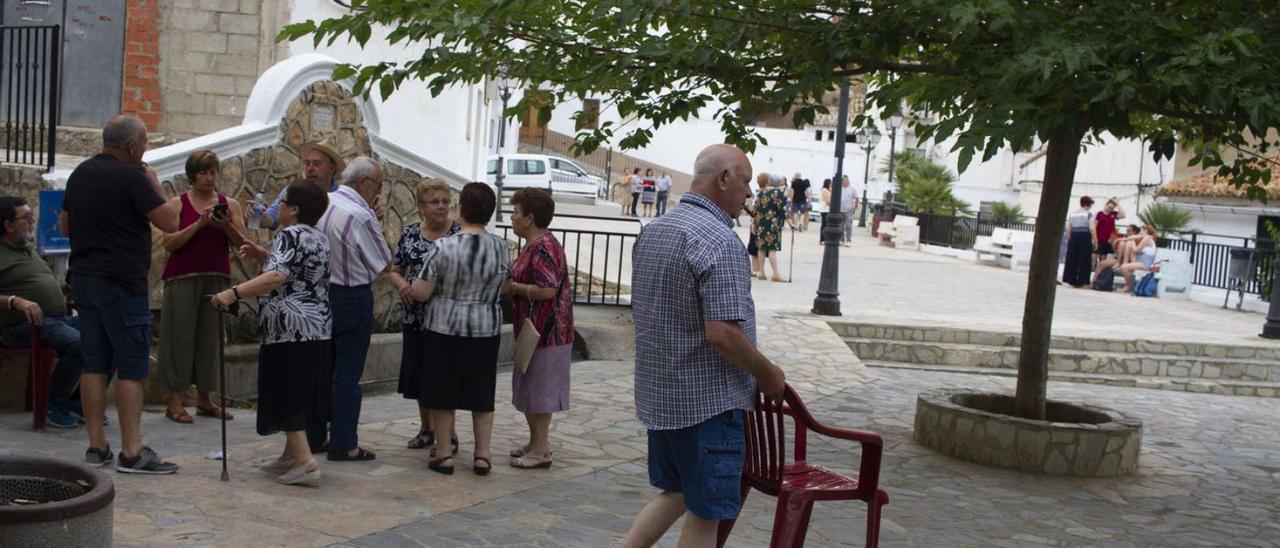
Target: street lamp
(895, 122)
(827, 303)
(505, 87)
(1271, 329)
(869, 137)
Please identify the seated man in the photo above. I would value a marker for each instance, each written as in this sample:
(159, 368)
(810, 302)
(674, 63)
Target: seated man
(30, 295)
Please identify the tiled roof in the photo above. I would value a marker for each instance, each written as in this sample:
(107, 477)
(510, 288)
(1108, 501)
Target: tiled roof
(1209, 185)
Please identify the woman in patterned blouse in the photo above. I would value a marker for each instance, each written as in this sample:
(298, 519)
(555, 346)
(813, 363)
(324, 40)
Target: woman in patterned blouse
(462, 285)
(541, 292)
(295, 362)
(417, 246)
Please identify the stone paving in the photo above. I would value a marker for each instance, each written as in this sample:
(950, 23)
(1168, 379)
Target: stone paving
(1209, 472)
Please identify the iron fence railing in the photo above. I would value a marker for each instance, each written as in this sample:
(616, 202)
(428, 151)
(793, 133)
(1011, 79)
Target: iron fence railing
(29, 93)
(599, 262)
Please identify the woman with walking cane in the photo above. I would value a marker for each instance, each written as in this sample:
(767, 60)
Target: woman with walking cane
(295, 362)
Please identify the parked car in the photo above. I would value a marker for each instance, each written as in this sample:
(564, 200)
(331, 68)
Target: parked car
(816, 208)
(559, 176)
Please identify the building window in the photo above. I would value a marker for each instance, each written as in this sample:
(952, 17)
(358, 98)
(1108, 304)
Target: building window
(831, 135)
(817, 135)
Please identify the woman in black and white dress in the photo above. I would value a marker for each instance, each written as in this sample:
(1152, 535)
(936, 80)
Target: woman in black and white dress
(462, 285)
(295, 362)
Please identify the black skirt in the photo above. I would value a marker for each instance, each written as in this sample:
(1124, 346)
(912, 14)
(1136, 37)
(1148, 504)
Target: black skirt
(460, 374)
(294, 385)
(1078, 266)
(411, 363)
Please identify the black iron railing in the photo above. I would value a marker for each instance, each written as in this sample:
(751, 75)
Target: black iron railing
(599, 263)
(1211, 261)
(29, 93)
(960, 231)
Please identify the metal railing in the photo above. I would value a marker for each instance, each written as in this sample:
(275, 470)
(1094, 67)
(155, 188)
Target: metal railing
(599, 262)
(960, 231)
(29, 93)
(1211, 261)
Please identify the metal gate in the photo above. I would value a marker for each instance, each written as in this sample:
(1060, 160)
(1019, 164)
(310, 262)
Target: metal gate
(92, 67)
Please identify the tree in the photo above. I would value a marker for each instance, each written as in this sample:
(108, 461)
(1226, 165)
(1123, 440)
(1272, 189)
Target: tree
(1003, 212)
(923, 186)
(1166, 219)
(994, 73)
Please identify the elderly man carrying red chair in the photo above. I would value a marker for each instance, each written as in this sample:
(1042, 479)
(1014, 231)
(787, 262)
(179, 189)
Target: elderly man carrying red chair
(35, 321)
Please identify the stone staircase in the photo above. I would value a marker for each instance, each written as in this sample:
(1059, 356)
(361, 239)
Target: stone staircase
(1168, 365)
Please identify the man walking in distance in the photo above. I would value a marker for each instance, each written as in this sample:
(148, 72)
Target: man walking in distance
(110, 198)
(358, 254)
(698, 368)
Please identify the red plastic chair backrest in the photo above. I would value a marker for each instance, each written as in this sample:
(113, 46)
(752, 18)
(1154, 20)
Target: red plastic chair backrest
(766, 435)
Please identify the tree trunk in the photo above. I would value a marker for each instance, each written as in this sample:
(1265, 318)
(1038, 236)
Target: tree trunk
(1037, 313)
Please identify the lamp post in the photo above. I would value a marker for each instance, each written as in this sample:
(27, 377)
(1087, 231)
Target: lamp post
(827, 303)
(869, 137)
(895, 122)
(1271, 329)
(504, 91)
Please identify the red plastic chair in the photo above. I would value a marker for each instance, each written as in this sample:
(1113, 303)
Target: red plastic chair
(40, 364)
(799, 484)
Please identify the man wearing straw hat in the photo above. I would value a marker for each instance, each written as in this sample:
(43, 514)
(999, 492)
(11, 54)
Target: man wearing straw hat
(321, 165)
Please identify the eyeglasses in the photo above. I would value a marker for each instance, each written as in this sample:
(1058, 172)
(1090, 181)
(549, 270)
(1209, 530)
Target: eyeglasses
(30, 217)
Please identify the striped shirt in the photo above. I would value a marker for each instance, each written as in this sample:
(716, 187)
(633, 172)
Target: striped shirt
(469, 271)
(688, 268)
(359, 251)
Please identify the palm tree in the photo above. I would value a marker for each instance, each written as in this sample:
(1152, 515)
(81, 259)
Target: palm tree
(1166, 219)
(923, 186)
(1004, 212)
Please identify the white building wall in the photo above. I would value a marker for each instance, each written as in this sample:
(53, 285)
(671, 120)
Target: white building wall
(452, 129)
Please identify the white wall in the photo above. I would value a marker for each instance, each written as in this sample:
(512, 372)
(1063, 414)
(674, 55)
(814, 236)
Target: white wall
(452, 129)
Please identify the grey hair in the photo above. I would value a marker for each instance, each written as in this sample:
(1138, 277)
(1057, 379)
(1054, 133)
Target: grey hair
(122, 129)
(776, 180)
(361, 166)
(710, 163)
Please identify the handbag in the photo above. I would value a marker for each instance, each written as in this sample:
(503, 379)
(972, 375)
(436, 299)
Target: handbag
(529, 337)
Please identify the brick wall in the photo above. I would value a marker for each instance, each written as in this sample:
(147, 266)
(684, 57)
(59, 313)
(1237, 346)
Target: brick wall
(141, 88)
(213, 53)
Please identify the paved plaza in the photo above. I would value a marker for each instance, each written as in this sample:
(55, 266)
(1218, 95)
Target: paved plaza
(1209, 473)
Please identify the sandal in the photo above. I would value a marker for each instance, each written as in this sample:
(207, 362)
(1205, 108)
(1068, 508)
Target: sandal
(488, 466)
(517, 453)
(361, 454)
(437, 465)
(214, 412)
(530, 460)
(424, 438)
(454, 443)
(180, 417)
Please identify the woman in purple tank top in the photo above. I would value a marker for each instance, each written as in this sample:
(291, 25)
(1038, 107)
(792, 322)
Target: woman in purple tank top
(198, 266)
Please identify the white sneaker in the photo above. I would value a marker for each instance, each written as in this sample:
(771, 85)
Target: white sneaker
(307, 474)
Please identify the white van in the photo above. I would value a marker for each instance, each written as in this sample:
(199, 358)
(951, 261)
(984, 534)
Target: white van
(558, 175)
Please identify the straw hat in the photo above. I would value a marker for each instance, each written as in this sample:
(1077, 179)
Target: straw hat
(326, 147)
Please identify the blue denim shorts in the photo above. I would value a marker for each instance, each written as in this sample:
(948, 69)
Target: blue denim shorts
(115, 328)
(703, 462)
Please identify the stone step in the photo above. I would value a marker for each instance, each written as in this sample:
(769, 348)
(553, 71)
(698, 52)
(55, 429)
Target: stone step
(1204, 386)
(1068, 360)
(1267, 352)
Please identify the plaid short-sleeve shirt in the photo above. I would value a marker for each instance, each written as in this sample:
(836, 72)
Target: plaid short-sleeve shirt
(689, 267)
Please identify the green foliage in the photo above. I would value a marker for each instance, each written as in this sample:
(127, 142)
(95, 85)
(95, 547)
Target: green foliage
(1003, 212)
(1266, 274)
(1166, 219)
(923, 186)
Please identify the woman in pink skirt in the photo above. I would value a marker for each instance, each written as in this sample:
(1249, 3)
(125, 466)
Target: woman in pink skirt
(541, 291)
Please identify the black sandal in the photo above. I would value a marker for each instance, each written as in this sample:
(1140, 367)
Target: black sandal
(454, 444)
(361, 454)
(481, 471)
(425, 438)
(435, 465)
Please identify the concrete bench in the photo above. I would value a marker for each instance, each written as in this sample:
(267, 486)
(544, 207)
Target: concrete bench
(903, 232)
(1004, 243)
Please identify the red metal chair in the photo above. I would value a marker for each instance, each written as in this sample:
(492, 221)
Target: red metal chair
(40, 364)
(799, 484)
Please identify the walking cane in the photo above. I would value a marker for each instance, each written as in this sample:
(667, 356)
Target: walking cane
(222, 381)
(791, 266)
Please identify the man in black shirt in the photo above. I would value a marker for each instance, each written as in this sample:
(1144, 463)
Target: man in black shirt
(110, 199)
(799, 203)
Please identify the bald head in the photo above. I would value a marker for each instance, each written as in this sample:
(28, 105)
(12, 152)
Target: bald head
(721, 173)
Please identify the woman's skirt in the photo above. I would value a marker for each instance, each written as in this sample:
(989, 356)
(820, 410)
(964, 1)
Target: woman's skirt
(544, 387)
(294, 385)
(648, 195)
(411, 362)
(461, 374)
(188, 352)
(1079, 264)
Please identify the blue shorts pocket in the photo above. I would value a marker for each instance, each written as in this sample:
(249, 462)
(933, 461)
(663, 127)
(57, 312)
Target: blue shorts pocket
(722, 472)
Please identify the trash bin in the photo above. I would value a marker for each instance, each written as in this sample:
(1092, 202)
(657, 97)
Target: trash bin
(1242, 270)
(51, 502)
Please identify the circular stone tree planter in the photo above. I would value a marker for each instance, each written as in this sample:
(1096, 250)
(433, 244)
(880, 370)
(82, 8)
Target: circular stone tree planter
(1076, 440)
(49, 502)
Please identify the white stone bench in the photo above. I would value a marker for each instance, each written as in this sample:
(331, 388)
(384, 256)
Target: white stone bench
(903, 232)
(1004, 243)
